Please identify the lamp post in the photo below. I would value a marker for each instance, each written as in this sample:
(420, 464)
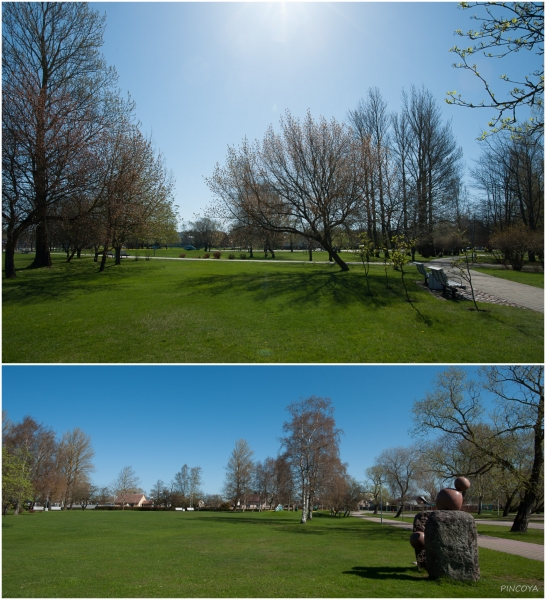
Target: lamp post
(381, 499)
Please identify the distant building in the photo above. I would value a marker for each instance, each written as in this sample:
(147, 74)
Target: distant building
(132, 500)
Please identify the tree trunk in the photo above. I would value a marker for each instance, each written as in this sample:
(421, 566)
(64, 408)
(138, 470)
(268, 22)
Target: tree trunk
(399, 512)
(310, 254)
(10, 258)
(118, 255)
(103, 259)
(521, 521)
(340, 262)
(42, 257)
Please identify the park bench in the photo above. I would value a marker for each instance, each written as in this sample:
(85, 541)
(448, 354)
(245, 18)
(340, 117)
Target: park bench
(438, 281)
(422, 270)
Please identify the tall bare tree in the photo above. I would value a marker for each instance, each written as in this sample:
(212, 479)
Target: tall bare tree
(400, 465)
(76, 460)
(434, 163)
(127, 482)
(311, 445)
(57, 95)
(237, 483)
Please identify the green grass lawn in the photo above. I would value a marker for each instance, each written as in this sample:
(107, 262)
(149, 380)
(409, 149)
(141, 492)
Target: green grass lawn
(213, 311)
(175, 554)
(533, 278)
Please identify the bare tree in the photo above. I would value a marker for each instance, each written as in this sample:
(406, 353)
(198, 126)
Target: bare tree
(434, 163)
(57, 93)
(454, 407)
(306, 181)
(76, 456)
(311, 445)
(375, 485)
(136, 190)
(400, 466)
(264, 481)
(371, 123)
(237, 483)
(196, 480)
(125, 484)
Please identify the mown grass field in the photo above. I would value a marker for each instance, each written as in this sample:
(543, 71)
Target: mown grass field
(174, 554)
(163, 311)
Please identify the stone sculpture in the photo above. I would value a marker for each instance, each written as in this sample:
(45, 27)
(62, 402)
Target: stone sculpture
(445, 540)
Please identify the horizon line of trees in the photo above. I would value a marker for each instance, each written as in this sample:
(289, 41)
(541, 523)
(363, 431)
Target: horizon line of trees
(381, 173)
(499, 448)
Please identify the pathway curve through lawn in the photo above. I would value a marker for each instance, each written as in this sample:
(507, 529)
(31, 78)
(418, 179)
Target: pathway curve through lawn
(525, 549)
(521, 294)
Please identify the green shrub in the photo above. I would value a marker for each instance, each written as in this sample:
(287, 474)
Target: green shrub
(206, 255)
(243, 255)
(216, 254)
(183, 255)
(231, 256)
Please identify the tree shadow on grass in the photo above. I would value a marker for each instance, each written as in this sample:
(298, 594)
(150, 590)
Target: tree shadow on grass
(58, 282)
(400, 573)
(291, 288)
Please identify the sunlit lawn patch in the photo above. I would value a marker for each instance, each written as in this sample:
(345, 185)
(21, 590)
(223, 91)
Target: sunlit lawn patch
(224, 311)
(175, 554)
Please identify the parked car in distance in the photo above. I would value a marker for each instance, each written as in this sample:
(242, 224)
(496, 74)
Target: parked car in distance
(190, 247)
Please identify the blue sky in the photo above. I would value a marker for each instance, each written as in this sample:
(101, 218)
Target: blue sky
(156, 418)
(204, 75)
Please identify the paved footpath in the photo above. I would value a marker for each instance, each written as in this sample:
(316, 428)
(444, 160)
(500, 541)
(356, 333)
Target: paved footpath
(525, 549)
(521, 294)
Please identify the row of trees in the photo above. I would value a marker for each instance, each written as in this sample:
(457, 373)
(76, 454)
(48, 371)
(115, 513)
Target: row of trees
(308, 470)
(39, 466)
(381, 173)
(76, 169)
(390, 174)
(500, 450)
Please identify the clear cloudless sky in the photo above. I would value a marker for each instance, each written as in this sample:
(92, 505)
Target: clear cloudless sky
(206, 74)
(156, 418)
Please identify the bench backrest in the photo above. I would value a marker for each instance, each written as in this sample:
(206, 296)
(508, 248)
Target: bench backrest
(421, 268)
(442, 276)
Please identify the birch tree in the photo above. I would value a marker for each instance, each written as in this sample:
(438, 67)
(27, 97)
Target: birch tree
(310, 445)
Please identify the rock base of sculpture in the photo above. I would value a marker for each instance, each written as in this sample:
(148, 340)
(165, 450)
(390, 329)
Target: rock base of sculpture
(419, 522)
(451, 546)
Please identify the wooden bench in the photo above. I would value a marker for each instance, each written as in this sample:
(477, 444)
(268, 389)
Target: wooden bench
(423, 270)
(442, 282)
